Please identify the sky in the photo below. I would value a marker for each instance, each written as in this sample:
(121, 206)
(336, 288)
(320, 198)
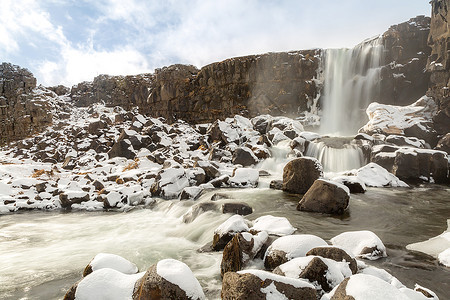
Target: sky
(69, 41)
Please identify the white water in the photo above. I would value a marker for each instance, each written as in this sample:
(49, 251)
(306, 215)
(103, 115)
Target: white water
(351, 82)
(336, 159)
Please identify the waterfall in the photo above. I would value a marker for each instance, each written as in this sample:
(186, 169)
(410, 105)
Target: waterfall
(336, 154)
(351, 82)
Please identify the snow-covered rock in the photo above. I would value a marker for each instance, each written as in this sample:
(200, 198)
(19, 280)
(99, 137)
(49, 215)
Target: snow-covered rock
(225, 232)
(365, 244)
(244, 177)
(273, 225)
(288, 247)
(112, 261)
(376, 176)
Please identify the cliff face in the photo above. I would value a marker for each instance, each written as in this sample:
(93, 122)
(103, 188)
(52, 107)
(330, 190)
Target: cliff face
(404, 78)
(23, 112)
(277, 83)
(439, 63)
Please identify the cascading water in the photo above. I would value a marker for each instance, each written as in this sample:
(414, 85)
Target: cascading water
(336, 154)
(351, 82)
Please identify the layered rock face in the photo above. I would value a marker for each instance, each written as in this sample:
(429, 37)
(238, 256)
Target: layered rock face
(276, 83)
(439, 63)
(403, 78)
(23, 111)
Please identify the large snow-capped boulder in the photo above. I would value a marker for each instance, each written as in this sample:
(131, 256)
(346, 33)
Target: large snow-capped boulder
(256, 285)
(325, 197)
(73, 197)
(374, 175)
(299, 174)
(364, 243)
(412, 120)
(168, 279)
(112, 261)
(170, 183)
(289, 247)
(244, 177)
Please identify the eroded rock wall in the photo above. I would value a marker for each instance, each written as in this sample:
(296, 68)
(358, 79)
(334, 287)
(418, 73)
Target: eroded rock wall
(23, 111)
(439, 63)
(404, 78)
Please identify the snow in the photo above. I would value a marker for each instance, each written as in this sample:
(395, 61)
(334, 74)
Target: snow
(113, 198)
(363, 287)
(258, 240)
(264, 275)
(272, 293)
(350, 179)
(273, 225)
(108, 284)
(374, 175)
(437, 246)
(392, 119)
(356, 241)
(244, 177)
(234, 224)
(296, 245)
(178, 273)
(112, 261)
(382, 274)
(337, 271)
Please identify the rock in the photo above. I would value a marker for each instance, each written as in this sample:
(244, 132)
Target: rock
(242, 248)
(242, 209)
(354, 184)
(96, 126)
(444, 144)
(112, 261)
(244, 156)
(98, 185)
(191, 193)
(197, 210)
(361, 286)
(211, 171)
(225, 232)
(279, 226)
(244, 177)
(376, 176)
(69, 163)
(122, 148)
(299, 174)
(325, 197)
(288, 247)
(365, 244)
(169, 183)
(336, 254)
(40, 187)
(69, 198)
(256, 285)
(276, 184)
(168, 279)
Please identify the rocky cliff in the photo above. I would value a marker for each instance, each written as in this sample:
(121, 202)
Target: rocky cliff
(23, 111)
(439, 63)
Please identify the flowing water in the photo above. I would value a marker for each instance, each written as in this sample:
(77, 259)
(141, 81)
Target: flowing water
(43, 253)
(351, 82)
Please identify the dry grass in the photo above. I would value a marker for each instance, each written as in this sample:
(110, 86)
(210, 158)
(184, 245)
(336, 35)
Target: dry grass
(132, 165)
(37, 173)
(119, 181)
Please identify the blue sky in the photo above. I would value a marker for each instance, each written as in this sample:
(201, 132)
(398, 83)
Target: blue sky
(69, 41)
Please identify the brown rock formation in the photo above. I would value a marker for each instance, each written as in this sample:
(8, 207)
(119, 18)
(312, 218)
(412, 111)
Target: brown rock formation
(22, 112)
(439, 63)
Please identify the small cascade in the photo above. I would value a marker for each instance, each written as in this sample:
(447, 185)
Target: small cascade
(351, 82)
(336, 154)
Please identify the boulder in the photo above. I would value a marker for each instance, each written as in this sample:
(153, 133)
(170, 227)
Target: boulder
(225, 232)
(299, 174)
(325, 197)
(444, 143)
(336, 254)
(69, 198)
(122, 148)
(242, 248)
(197, 210)
(279, 226)
(256, 285)
(364, 243)
(242, 209)
(288, 247)
(276, 184)
(112, 261)
(244, 156)
(168, 279)
(354, 184)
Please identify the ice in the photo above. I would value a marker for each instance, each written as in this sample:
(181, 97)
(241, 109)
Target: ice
(180, 274)
(435, 246)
